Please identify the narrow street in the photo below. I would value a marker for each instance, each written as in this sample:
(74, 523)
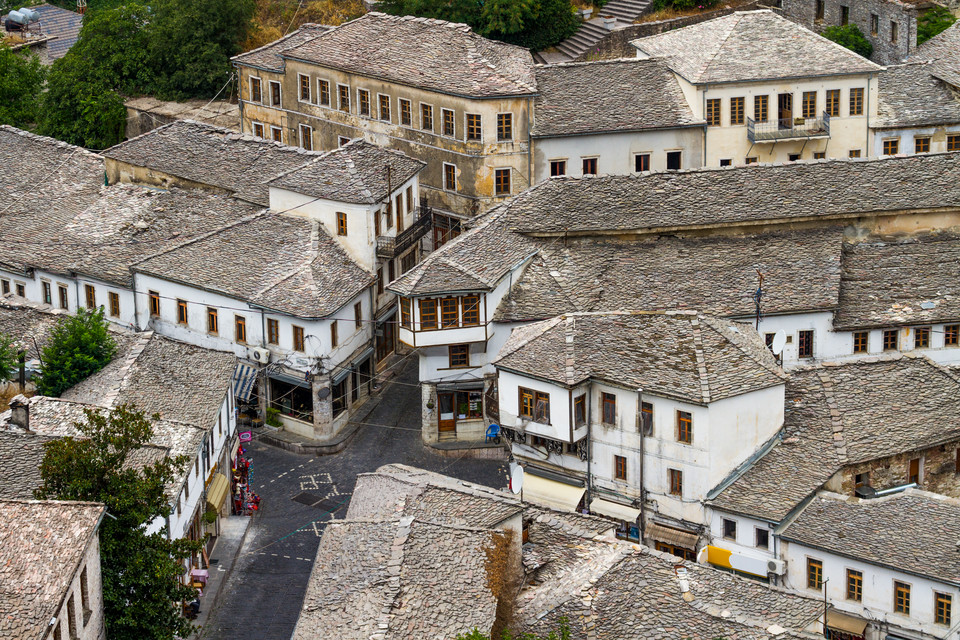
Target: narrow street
(262, 596)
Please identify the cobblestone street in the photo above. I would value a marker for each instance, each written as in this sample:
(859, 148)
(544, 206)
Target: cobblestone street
(262, 596)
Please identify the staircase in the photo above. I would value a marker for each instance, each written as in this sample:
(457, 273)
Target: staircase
(590, 33)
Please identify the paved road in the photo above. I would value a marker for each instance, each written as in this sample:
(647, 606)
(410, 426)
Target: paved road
(261, 599)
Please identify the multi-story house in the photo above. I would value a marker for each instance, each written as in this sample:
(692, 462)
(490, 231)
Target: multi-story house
(769, 89)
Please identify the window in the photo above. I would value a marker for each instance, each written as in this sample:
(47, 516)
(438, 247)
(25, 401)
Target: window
(323, 91)
(854, 153)
(944, 605)
(891, 339)
(21, 290)
(891, 146)
(751, 160)
(856, 102)
(620, 467)
(358, 315)
(256, 92)
(72, 615)
(406, 113)
(854, 585)
(819, 155)
(389, 215)
(257, 129)
(428, 314)
(449, 312)
(501, 182)
(809, 104)
(154, 301)
(951, 335)
(273, 331)
(861, 341)
(814, 573)
(833, 102)
(504, 127)
(609, 403)
(363, 102)
(646, 418)
(729, 529)
(304, 87)
(410, 206)
(861, 480)
(182, 312)
(534, 405)
(212, 324)
(448, 124)
(385, 108)
(589, 166)
(921, 145)
(901, 598)
(474, 129)
(762, 538)
(405, 312)
(725, 162)
(239, 329)
(736, 110)
(47, 293)
(874, 24)
(793, 157)
(298, 338)
(343, 97)
(6, 286)
(673, 160)
(339, 395)
(558, 168)
(684, 427)
(921, 337)
(275, 94)
(426, 117)
(449, 177)
(713, 112)
(471, 310)
(641, 162)
(85, 596)
(953, 142)
(805, 344)
(844, 15)
(114, 299)
(760, 108)
(341, 223)
(913, 471)
(459, 355)
(276, 133)
(819, 15)
(90, 294)
(675, 477)
(306, 137)
(64, 300)
(334, 335)
(894, 32)
(580, 412)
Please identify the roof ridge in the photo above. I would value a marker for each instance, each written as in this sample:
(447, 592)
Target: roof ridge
(548, 324)
(723, 42)
(570, 326)
(836, 420)
(110, 398)
(702, 372)
(712, 322)
(53, 142)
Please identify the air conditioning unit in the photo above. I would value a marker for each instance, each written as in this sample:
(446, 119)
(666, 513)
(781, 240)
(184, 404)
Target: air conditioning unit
(260, 355)
(776, 567)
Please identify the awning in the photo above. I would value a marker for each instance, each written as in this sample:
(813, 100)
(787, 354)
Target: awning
(845, 623)
(244, 377)
(550, 493)
(339, 375)
(217, 491)
(614, 510)
(672, 536)
(362, 357)
(299, 380)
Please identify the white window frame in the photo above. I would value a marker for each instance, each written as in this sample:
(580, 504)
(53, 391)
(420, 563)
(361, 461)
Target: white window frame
(433, 126)
(510, 173)
(349, 106)
(666, 156)
(446, 187)
(300, 129)
(443, 119)
(300, 99)
(496, 125)
(550, 162)
(250, 90)
(270, 84)
(593, 157)
(400, 112)
(253, 128)
(466, 130)
(369, 103)
(280, 129)
(389, 106)
(329, 94)
(649, 155)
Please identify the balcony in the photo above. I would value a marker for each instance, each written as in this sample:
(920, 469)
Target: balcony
(788, 129)
(389, 247)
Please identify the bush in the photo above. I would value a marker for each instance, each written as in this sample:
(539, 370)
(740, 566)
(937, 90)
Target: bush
(684, 5)
(79, 346)
(851, 37)
(932, 22)
(273, 417)
(9, 356)
(21, 83)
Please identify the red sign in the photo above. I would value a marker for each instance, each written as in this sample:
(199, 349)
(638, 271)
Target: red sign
(246, 436)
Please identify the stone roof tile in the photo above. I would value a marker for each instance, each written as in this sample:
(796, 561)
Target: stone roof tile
(268, 57)
(911, 95)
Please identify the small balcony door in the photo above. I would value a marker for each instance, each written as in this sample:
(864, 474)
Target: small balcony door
(785, 110)
(448, 416)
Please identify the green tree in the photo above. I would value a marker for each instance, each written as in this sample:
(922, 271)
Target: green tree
(141, 587)
(562, 633)
(933, 21)
(21, 84)
(553, 21)
(9, 356)
(80, 345)
(851, 37)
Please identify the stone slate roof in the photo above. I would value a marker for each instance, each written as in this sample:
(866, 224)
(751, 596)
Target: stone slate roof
(429, 54)
(900, 282)
(944, 49)
(43, 545)
(179, 381)
(722, 196)
(911, 95)
(63, 24)
(288, 264)
(21, 455)
(675, 354)
(751, 46)
(872, 531)
(222, 158)
(355, 173)
(27, 323)
(623, 95)
(840, 415)
(268, 56)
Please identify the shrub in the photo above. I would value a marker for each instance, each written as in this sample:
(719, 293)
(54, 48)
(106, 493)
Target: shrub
(851, 37)
(932, 22)
(79, 346)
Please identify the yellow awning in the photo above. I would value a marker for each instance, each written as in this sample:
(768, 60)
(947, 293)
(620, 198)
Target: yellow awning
(846, 623)
(217, 491)
(614, 510)
(672, 536)
(550, 493)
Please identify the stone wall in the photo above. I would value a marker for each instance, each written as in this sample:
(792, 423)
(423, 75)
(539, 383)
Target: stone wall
(938, 471)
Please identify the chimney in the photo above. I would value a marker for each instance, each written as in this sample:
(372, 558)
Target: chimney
(20, 412)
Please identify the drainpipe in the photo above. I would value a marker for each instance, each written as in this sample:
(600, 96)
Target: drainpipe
(589, 441)
(136, 314)
(642, 483)
(869, 80)
(263, 329)
(703, 111)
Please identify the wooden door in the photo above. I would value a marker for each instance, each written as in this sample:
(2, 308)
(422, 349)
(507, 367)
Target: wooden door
(914, 475)
(447, 413)
(785, 110)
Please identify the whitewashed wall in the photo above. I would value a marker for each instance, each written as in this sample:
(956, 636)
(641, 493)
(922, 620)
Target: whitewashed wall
(908, 136)
(745, 542)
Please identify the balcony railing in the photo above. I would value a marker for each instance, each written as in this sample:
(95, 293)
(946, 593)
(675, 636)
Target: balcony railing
(391, 246)
(788, 129)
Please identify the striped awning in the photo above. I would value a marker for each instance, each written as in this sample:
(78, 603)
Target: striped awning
(669, 535)
(244, 377)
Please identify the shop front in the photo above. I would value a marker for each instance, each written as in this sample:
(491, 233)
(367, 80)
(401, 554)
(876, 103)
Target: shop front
(843, 626)
(460, 410)
(678, 542)
(625, 516)
(244, 501)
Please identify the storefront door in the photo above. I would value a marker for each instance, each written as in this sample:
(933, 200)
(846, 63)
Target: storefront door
(387, 343)
(448, 418)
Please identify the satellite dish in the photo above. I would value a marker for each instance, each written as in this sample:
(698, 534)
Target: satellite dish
(323, 393)
(779, 339)
(516, 479)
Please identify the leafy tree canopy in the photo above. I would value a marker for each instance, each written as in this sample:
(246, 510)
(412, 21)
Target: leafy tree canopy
(80, 345)
(21, 83)
(851, 37)
(9, 356)
(933, 21)
(562, 633)
(141, 586)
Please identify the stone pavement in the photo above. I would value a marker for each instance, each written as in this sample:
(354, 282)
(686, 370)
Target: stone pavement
(262, 596)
